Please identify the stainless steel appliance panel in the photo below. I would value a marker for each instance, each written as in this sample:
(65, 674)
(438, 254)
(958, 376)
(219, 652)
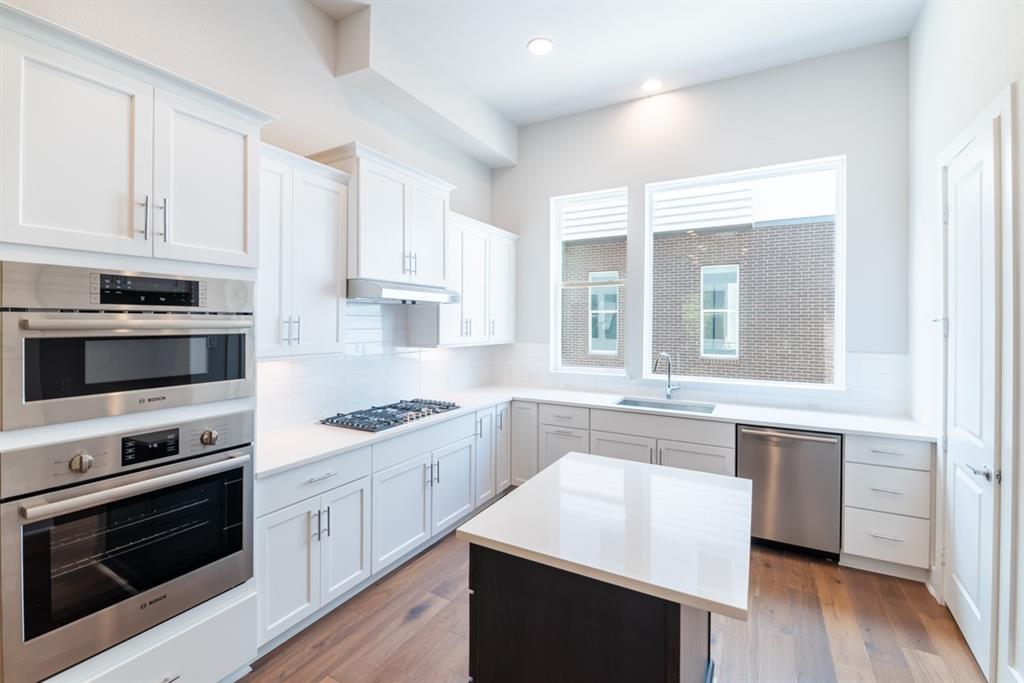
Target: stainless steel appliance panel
(797, 485)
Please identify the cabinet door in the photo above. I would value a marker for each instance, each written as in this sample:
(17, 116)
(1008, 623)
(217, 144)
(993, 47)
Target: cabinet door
(557, 441)
(287, 567)
(691, 456)
(205, 176)
(274, 277)
(638, 448)
(401, 509)
(77, 165)
(318, 264)
(383, 201)
(524, 441)
(428, 212)
(486, 474)
(502, 449)
(453, 483)
(451, 328)
(501, 279)
(474, 285)
(345, 544)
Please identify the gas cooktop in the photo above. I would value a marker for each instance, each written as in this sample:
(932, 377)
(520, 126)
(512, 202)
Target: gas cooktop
(379, 418)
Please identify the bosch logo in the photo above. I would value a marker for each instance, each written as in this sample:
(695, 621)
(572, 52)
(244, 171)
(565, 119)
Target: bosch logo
(153, 601)
(151, 399)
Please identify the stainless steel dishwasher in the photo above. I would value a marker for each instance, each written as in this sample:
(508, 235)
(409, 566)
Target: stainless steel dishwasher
(797, 484)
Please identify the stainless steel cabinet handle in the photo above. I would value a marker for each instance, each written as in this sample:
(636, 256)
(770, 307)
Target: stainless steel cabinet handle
(415, 263)
(661, 455)
(405, 259)
(328, 530)
(145, 218)
(892, 491)
(438, 473)
(430, 479)
(492, 328)
(562, 432)
(479, 428)
(563, 417)
(983, 472)
(298, 330)
(317, 534)
(47, 510)
(884, 537)
(163, 208)
(288, 335)
(171, 679)
(789, 435)
(320, 477)
(878, 452)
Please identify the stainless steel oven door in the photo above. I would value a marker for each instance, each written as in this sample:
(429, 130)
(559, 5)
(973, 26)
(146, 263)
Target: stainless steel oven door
(88, 567)
(60, 367)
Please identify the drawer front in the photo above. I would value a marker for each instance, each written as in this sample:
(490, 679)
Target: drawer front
(564, 416)
(887, 489)
(873, 450)
(556, 442)
(429, 438)
(892, 538)
(284, 489)
(688, 430)
(638, 448)
(688, 456)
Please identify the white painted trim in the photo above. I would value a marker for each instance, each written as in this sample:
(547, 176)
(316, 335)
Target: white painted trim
(299, 161)
(357, 150)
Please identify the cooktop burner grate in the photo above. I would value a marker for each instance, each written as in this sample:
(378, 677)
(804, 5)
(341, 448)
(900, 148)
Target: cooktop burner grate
(378, 418)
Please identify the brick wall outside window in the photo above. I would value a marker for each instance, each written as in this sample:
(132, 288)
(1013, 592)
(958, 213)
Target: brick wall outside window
(580, 258)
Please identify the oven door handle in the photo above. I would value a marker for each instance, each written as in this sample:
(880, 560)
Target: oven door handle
(33, 513)
(114, 325)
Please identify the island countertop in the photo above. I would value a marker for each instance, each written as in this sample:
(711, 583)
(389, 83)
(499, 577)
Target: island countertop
(680, 535)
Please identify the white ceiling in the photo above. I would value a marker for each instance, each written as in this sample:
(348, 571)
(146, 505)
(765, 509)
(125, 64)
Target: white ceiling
(604, 50)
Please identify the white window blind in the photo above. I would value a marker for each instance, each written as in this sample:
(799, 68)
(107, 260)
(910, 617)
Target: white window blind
(591, 215)
(704, 206)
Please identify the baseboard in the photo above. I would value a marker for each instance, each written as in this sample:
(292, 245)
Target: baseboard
(869, 564)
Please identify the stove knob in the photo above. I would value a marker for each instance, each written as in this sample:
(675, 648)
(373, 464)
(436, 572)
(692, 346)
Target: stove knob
(81, 463)
(209, 437)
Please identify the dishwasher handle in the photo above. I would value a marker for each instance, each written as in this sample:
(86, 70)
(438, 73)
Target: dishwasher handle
(790, 435)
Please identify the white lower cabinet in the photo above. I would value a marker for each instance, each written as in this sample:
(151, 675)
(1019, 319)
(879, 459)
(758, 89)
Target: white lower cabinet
(700, 457)
(524, 441)
(453, 484)
(503, 447)
(309, 553)
(401, 509)
(486, 462)
(557, 441)
(638, 448)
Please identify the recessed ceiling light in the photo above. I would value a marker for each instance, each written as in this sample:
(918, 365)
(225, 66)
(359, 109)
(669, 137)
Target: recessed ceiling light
(540, 46)
(651, 85)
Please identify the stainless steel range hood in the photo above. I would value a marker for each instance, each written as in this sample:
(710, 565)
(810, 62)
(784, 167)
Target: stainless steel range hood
(383, 291)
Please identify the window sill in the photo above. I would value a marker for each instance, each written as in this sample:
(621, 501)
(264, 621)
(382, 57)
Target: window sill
(691, 381)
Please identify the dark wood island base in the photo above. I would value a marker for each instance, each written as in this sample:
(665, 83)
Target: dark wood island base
(531, 623)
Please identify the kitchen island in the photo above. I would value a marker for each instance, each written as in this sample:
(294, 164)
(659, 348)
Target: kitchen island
(601, 569)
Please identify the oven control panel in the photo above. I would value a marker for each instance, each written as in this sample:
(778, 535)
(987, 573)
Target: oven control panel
(121, 288)
(145, 447)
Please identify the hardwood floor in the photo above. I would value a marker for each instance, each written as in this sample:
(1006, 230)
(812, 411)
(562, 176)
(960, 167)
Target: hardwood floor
(810, 621)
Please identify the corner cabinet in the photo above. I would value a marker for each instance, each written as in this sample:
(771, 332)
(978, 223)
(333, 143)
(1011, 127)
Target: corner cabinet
(481, 261)
(108, 154)
(301, 279)
(397, 217)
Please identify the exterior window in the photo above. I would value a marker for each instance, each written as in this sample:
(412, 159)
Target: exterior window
(746, 274)
(604, 314)
(588, 234)
(720, 316)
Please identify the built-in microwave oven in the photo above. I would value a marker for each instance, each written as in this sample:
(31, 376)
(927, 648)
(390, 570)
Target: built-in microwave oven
(80, 343)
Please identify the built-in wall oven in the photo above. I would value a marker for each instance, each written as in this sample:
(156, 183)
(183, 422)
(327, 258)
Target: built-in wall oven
(80, 343)
(105, 537)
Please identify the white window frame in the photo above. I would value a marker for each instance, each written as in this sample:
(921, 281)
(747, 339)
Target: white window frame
(645, 354)
(703, 311)
(592, 311)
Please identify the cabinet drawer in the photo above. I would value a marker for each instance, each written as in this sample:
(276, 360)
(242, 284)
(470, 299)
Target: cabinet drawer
(689, 456)
(873, 450)
(564, 416)
(638, 448)
(687, 430)
(893, 538)
(287, 488)
(887, 489)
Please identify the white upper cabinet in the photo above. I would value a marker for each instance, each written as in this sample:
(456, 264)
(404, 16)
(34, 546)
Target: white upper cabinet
(397, 221)
(107, 154)
(301, 278)
(481, 268)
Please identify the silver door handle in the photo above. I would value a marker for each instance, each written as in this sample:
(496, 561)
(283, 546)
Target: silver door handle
(298, 330)
(415, 263)
(789, 435)
(430, 479)
(438, 480)
(492, 328)
(318, 530)
(884, 537)
(320, 477)
(163, 208)
(405, 258)
(63, 507)
(328, 521)
(891, 491)
(145, 218)
(479, 428)
(983, 472)
(288, 335)
(77, 324)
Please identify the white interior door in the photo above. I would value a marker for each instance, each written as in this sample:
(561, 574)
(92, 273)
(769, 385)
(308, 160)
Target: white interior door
(428, 211)
(77, 166)
(318, 271)
(205, 169)
(972, 394)
(274, 279)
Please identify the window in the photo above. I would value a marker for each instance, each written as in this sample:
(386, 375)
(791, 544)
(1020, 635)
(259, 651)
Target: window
(589, 260)
(782, 228)
(720, 317)
(604, 314)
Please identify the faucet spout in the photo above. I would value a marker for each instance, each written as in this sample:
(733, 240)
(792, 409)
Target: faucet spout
(669, 387)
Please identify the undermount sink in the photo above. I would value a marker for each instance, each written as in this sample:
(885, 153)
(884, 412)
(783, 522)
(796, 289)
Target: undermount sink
(678, 406)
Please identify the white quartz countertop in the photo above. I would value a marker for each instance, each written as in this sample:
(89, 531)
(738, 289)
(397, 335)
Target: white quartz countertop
(291, 446)
(679, 535)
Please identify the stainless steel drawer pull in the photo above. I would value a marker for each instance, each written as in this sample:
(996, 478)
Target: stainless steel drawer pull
(789, 435)
(891, 491)
(171, 679)
(563, 432)
(321, 477)
(880, 452)
(563, 417)
(883, 537)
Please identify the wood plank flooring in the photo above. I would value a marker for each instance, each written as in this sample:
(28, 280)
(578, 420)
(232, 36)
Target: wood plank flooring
(810, 621)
